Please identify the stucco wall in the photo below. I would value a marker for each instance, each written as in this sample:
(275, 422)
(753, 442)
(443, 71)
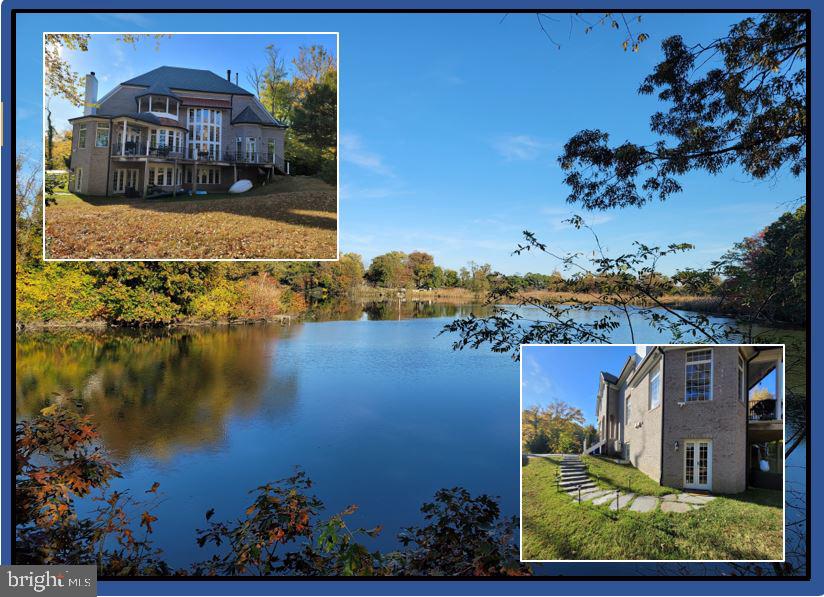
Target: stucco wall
(722, 420)
(642, 430)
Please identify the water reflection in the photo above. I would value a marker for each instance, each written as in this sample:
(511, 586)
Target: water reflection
(379, 415)
(155, 392)
(337, 310)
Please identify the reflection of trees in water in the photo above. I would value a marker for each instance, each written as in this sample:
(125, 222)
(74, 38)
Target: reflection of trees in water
(348, 310)
(155, 392)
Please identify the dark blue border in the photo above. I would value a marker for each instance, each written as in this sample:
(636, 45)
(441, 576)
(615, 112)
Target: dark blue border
(594, 586)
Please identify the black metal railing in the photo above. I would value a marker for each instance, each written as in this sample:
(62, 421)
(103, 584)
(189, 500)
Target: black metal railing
(763, 410)
(255, 157)
(131, 148)
(136, 149)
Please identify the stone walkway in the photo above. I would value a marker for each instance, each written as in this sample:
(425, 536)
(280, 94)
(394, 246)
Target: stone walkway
(576, 482)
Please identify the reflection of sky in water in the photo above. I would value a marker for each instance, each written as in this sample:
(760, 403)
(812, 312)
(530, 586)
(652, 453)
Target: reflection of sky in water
(378, 409)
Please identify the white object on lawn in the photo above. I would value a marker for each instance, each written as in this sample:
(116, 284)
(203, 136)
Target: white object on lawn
(241, 186)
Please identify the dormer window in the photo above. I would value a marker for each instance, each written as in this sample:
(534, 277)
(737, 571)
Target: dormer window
(160, 101)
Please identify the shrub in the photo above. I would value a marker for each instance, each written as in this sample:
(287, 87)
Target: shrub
(221, 303)
(137, 306)
(56, 292)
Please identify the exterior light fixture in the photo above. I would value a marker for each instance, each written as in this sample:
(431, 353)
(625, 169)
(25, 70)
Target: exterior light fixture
(676, 445)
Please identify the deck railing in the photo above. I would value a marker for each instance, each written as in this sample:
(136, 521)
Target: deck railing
(763, 410)
(135, 149)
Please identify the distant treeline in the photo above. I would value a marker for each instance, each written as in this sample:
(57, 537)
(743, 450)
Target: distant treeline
(764, 275)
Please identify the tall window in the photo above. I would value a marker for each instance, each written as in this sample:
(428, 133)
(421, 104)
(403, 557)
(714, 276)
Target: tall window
(251, 149)
(162, 176)
(628, 410)
(205, 133)
(208, 176)
(270, 147)
(166, 138)
(655, 388)
(101, 138)
(81, 137)
(698, 375)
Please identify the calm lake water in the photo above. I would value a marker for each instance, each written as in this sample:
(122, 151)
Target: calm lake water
(369, 400)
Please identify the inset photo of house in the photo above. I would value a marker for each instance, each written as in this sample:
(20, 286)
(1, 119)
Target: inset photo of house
(652, 452)
(190, 146)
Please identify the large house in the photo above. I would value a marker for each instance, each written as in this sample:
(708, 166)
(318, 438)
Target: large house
(691, 418)
(172, 128)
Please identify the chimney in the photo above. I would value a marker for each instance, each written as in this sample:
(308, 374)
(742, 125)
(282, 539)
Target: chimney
(235, 78)
(90, 103)
(229, 75)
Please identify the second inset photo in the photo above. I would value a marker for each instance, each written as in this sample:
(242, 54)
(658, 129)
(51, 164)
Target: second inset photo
(652, 453)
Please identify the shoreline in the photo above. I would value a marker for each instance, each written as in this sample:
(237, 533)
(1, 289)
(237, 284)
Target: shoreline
(694, 304)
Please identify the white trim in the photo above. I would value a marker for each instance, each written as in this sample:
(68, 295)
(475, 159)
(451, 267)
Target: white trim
(696, 451)
(655, 372)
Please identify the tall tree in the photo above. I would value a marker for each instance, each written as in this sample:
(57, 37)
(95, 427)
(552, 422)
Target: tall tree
(254, 76)
(316, 117)
(312, 65)
(736, 100)
(61, 80)
(274, 73)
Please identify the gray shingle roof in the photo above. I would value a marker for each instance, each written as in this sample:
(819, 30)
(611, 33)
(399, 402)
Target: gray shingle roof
(190, 79)
(250, 116)
(141, 116)
(159, 88)
(609, 377)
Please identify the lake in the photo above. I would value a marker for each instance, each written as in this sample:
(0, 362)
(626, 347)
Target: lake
(367, 398)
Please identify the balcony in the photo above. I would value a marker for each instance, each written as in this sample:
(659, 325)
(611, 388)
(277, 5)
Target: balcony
(763, 410)
(255, 158)
(134, 149)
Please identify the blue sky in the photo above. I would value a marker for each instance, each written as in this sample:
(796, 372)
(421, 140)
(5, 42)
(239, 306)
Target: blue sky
(569, 374)
(451, 125)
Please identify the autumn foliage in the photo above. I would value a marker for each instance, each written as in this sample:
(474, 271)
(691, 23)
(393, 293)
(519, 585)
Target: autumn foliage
(282, 531)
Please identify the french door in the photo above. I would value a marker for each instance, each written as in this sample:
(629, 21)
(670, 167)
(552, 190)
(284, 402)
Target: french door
(698, 464)
(123, 179)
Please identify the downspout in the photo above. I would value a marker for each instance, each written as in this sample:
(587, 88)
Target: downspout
(109, 161)
(663, 403)
(748, 454)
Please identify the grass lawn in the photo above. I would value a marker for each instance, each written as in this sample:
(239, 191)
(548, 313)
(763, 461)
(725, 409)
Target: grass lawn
(747, 526)
(623, 476)
(290, 218)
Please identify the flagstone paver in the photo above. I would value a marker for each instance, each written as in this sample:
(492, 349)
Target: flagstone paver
(693, 498)
(622, 501)
(604, 498)
(644, 503)
(675, 507)
(578, 485)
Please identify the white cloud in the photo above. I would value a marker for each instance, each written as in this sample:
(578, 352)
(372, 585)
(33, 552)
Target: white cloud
(520, 147)
(348, 191)
(353, 151)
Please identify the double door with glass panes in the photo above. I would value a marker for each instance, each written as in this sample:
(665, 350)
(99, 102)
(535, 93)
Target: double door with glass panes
(124, 179)
(698, 464)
